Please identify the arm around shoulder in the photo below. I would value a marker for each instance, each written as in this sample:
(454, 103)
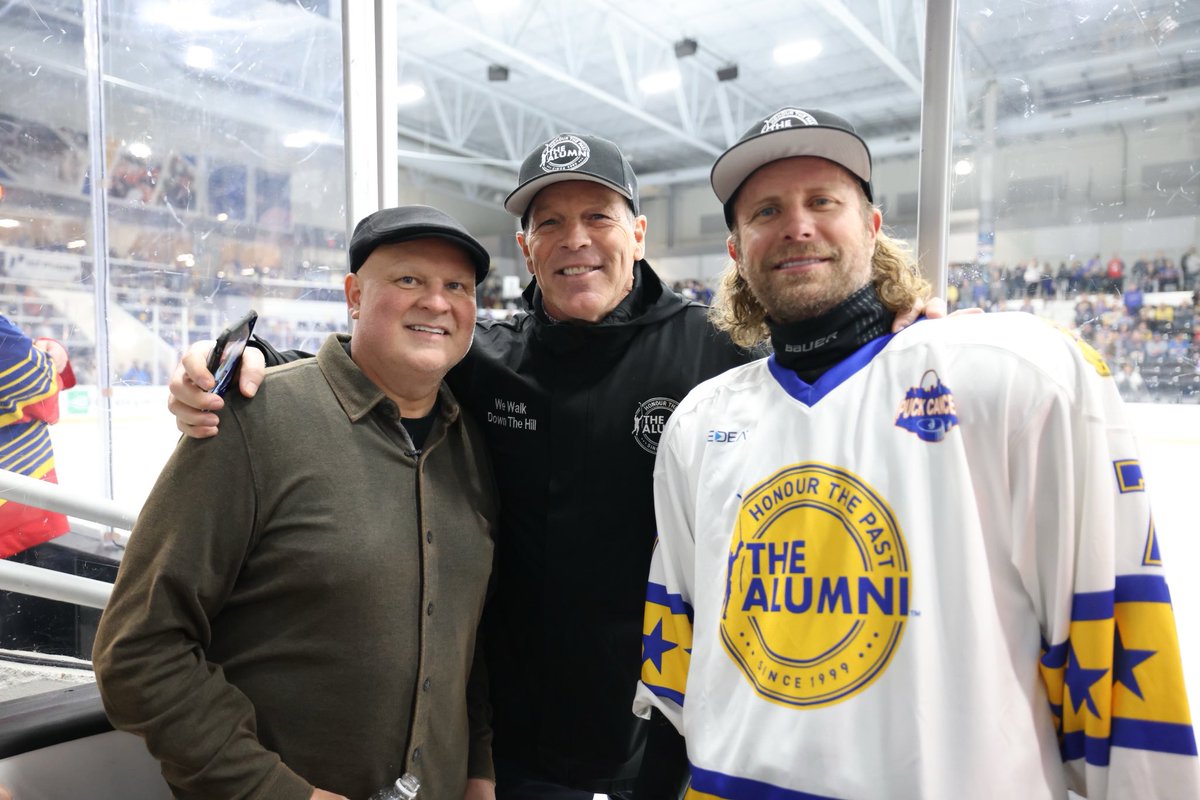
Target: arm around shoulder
(191, 400)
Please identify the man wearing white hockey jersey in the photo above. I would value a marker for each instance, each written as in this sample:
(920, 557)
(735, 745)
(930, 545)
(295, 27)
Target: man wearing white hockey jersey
(913, 565)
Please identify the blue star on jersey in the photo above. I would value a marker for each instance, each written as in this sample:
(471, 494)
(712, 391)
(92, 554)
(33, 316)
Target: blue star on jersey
(1124, 660)
(1080, 681)
(654, 645)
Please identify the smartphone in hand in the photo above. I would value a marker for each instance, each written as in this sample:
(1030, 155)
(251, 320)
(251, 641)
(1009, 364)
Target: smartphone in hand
(228, 350)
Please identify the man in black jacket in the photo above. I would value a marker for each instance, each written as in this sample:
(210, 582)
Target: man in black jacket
(572, 397)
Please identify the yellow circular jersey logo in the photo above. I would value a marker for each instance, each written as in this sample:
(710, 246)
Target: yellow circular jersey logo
(818, 586)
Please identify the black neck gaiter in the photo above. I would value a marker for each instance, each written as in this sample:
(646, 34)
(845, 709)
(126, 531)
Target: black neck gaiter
(811, 346)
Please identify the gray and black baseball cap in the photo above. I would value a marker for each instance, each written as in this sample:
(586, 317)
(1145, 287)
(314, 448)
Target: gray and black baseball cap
(405, 223)
(787, 133)
(573, 157)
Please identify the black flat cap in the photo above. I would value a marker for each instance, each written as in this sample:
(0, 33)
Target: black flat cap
(405, 223)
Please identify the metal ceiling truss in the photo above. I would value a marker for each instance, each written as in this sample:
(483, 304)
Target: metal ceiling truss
(566, 70)
(698, 74)
(844, 17)
(634, 52)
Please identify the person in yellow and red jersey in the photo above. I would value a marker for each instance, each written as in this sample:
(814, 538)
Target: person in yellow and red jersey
(32, 373)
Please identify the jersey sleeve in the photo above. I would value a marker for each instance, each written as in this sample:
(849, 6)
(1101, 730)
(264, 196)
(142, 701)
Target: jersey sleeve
(668, 619)
(1086, 545)
(27, 374)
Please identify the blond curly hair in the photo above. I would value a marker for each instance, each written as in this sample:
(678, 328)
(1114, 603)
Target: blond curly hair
(894, 274)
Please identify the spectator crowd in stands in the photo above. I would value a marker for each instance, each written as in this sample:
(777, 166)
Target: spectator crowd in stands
(1153, 349)
(1141, 316)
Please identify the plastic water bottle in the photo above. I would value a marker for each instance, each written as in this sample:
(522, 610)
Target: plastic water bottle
(405, 788)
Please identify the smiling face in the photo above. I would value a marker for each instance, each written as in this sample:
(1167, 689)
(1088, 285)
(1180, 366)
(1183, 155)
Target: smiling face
(803, 238)
(581, 243)
(414, 303)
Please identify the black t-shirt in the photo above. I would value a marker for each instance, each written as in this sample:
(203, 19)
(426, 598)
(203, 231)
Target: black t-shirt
(418, 428)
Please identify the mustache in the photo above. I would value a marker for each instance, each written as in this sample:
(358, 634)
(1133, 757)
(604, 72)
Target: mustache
(797, 251)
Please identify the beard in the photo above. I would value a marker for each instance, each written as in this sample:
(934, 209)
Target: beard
(793, 296)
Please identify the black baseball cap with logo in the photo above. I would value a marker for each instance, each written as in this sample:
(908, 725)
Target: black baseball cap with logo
(787, 133)
(573, 157)
(405, 223)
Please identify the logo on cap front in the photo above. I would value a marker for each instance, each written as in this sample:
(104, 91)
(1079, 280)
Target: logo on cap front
(564, 152)
(784, 117)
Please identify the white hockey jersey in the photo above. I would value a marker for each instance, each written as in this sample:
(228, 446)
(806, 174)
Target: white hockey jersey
(931, 574)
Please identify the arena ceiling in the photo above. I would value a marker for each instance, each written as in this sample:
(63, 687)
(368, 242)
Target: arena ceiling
(579, 65)
(1054, 64)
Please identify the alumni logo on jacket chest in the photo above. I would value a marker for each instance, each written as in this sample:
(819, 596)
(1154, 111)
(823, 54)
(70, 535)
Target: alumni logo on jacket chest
(649, 421)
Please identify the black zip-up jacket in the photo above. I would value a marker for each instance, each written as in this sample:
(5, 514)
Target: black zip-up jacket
(572, 415)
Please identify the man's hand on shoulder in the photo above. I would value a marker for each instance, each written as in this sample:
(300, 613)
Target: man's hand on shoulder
(480, 789)
(191, 401)
(933, 308)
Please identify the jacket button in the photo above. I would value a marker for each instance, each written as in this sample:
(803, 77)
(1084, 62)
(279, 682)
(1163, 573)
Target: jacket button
(417, 756)
(429, 610)
(429, 536)
(425, 686)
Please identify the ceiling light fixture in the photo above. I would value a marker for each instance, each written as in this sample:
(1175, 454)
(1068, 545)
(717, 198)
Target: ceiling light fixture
(304, 139)
(963, 167)
(796, 52)
(193, 16)
(659, 82)
(9, 223)
(685, 47)
(138, 149)
(494, 8)
(409, 93)
(199, 57)
(75, 244)
(729, 72)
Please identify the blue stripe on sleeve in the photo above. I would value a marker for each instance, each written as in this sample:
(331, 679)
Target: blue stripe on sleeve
(665, 693)
(1078, 745)
(1142, 589)
(1129, 589)
(722, 785)
(1055, 657)
(1132, 734)
(1092, 606)
(1161, 737)
(657, 593)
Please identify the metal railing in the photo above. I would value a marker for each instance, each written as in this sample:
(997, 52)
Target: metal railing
(52, 497)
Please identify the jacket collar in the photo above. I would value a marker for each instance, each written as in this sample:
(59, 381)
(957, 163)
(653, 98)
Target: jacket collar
(356, 393)
(649, 300)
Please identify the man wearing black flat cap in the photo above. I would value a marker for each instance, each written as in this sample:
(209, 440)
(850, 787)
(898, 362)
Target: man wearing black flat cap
(295, 615)
(572, 398)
